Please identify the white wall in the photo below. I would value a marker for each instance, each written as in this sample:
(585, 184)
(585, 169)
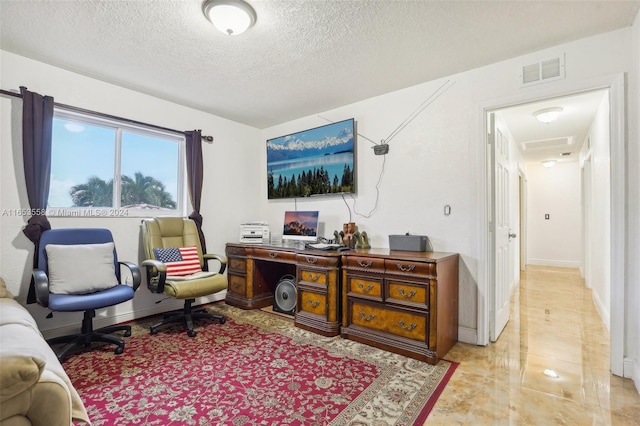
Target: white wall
(554, 191)
(599, 266)
(229, 193)
(633, 214)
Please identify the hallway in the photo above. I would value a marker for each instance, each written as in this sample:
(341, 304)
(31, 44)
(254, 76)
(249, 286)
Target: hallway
(554, 327)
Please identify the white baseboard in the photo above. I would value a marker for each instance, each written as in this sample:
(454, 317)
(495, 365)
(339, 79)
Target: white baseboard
(634, 371)
(468, 335)
(552, 262)
(602, 310)
(166, 305)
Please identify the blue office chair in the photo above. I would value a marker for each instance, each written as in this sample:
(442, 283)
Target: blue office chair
(78, 270)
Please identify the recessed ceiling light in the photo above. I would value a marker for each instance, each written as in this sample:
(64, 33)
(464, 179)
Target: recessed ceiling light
(550, 373)
(547, 115)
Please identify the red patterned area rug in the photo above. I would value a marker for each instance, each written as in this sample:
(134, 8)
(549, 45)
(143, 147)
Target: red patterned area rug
(257, 369)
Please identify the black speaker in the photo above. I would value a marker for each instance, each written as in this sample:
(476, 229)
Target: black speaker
(285, 295)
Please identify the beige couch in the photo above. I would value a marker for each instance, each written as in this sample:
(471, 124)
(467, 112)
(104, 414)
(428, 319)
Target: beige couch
(34, 388)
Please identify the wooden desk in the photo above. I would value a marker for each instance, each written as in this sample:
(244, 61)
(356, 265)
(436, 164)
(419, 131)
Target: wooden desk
(403, 302)
(254, 271)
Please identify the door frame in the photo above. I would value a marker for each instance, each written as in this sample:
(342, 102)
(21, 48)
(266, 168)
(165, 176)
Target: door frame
(615, 84)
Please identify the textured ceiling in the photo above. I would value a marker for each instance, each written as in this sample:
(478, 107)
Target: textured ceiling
(302, 56)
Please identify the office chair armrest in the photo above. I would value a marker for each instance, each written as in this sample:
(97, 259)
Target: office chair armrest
(220, 258)
(135, 273)
(41, 282)
(156, 275)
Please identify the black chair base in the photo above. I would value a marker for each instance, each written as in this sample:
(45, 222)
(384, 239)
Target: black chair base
(88, 335)
(187, 315)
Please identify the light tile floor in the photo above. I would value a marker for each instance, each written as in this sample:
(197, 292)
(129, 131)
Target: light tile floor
(554, 325)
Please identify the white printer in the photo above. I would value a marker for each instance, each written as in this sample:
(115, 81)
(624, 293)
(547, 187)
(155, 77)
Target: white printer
(254, 232)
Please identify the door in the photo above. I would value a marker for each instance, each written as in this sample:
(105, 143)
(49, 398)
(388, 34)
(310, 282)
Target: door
(499, 146)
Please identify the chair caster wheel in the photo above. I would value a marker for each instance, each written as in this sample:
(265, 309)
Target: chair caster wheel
(191, 333)
(153, 330)
(223, 320)
(119, 350)
(127, 333)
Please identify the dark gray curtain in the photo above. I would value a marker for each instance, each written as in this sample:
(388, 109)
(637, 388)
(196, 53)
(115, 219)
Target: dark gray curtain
(37, 128)
(195, 174)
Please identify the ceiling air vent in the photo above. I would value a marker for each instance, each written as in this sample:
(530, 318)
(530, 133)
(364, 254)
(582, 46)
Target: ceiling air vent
(565, 154)
(543, 71)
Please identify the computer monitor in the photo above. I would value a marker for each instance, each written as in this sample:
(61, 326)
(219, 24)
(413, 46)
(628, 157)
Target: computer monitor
(300, 226)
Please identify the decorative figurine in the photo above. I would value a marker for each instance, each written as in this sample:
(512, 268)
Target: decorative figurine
(348, 230)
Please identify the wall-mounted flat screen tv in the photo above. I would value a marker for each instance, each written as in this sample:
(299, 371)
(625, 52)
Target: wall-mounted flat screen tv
(318, 161)
(302, 226)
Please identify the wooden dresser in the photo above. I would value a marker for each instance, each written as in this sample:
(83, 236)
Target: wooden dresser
(404, 302)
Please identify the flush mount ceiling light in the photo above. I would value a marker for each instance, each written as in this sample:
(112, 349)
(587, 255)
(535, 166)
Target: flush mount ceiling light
(549, 163)
(547, 115)
(232, 17)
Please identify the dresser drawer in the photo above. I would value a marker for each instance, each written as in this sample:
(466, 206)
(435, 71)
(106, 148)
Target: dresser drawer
(365, 264)
(364, 286)
(236, 251)
(410, 325)
(318, 261)
(406, 267)
(312, 302)
(237, 264)
(312, 276)
(276, 255)
(415, 295)
(237, 284)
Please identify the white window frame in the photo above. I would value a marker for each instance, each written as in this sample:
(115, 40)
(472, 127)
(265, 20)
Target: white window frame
(119, 127)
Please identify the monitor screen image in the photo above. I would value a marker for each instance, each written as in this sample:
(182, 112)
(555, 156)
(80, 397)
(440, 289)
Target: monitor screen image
(301, 226)
(319, 161)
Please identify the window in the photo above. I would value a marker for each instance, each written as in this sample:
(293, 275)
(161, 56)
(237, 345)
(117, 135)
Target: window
(102, 167)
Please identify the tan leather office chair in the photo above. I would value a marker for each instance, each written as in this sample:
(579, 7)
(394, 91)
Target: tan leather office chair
(174, 263)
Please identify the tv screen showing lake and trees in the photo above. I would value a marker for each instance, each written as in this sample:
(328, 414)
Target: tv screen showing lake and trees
(317, 161)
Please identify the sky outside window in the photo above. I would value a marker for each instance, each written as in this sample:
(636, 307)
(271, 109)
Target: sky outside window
(81, 151)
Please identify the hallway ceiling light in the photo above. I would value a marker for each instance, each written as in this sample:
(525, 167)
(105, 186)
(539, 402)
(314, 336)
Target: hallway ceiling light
(547, 115)
(232, 17)
(549, 163)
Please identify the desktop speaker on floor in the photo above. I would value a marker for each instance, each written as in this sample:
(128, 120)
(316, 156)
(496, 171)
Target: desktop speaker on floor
(285, 295)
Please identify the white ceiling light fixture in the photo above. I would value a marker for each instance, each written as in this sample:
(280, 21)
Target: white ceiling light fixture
(549, 163)
(232, 17)
(547, 115)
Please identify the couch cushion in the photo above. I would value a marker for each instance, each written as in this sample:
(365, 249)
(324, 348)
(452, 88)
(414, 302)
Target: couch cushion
(18, 373)
(180, 261)
(80, 268)
(4, 293)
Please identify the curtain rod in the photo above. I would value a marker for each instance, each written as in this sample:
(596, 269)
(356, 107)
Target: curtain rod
(208, 139)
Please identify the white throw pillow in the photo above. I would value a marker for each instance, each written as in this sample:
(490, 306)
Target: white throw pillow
(80, 268)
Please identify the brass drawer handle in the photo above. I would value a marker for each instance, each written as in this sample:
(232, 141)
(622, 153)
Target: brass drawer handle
(407, 327)
(407, 295)
(365, 264)
(314, 277)
(314, 304)
(311, 259)
(403, 268)
(273, 255)
(366, 289)
(366, 317)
